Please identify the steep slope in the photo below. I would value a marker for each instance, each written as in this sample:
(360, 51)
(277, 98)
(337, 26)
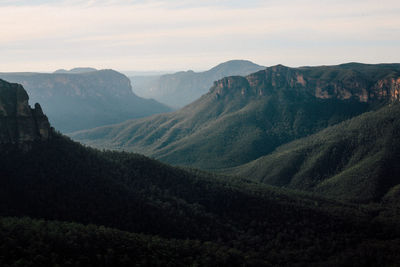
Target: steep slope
(182, 88)
(247, 223)
(244, 118)
(62, 180)
(355, 160)
(75, 101)
(19, 123)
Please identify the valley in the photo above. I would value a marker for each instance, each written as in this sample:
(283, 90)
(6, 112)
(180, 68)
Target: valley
(243, 118)
(293, 167)
(153, 133)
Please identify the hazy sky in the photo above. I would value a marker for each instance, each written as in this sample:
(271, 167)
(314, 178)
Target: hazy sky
(40, 35)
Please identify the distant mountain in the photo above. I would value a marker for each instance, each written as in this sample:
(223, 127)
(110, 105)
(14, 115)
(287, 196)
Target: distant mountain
(85, 98)
(182, 88)
(141, 84)
(76, 70)
(244, 118)
(356, 160)
(166, 216)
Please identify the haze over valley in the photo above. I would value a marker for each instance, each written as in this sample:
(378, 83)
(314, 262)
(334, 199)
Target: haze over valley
(85, 98)
(213, 133)
(181, 88)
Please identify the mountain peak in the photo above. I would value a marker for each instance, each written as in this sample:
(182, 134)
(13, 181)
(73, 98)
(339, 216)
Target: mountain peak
(19, 123)
(236, 67)
(279, 66)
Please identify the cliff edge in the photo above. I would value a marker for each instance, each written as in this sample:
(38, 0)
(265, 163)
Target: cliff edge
(19, 123)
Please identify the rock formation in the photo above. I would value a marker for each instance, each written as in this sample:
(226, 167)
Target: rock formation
(322, 82)
(19, 123)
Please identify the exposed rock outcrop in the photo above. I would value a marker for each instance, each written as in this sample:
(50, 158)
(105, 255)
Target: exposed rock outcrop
(244, 118)
(19, 123)
(326, 82)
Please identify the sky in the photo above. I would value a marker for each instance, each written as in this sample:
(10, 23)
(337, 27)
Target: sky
(143, 35)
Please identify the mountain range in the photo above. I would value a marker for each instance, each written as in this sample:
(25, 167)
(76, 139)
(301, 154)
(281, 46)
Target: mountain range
(181, 88)
(65, 204)
(84, 98)
(76, 70)
(242, 119)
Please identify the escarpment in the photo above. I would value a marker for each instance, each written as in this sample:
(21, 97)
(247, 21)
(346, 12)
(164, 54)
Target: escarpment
(330, 82)
(19, 123)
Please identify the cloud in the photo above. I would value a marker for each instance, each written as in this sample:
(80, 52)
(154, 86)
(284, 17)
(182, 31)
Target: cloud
(185, 34)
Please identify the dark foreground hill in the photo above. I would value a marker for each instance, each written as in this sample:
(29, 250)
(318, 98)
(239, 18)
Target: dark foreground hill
(244, 118)
(189, 218)
(181, 88)
(356, 160)
(85, 98)
(61, 180)
(27, 242)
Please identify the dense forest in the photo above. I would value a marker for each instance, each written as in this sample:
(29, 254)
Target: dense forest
(197, 213)
(242, 119)
(328, 199)
(138, 134)
(356, 160)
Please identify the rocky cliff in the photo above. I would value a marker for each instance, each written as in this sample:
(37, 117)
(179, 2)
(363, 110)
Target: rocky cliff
(19, 123)
(363, 83)
(244, 118)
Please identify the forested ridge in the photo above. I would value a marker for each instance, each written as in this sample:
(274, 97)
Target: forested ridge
(259, 224)
(356, 160)
(242, 119)
(65, 204)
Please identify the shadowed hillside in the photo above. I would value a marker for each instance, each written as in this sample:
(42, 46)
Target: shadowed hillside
(243, 118)
(355, 160)
(168, 216)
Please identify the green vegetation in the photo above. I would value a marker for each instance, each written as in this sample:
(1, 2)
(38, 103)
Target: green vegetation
(245, 221)
(64, 204)
(27, 242)
(242, 119)
(356, 160)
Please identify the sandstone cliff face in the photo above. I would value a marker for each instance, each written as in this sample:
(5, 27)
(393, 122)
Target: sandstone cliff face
(387, 88)
(19, 123)
(334, 82)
